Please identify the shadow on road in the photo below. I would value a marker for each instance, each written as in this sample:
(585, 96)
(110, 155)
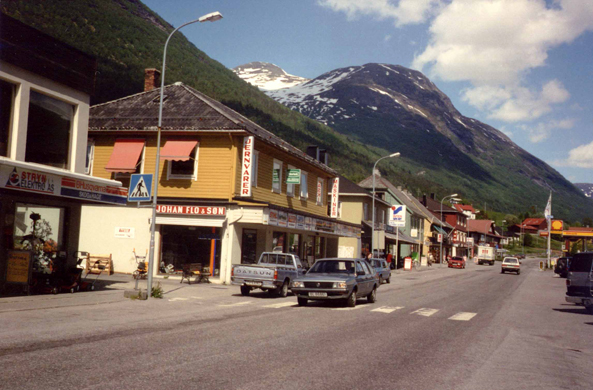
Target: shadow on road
(574, 311)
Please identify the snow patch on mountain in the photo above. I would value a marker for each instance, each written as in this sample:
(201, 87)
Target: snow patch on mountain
(267, 76)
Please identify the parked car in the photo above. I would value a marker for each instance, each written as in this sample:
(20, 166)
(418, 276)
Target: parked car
(520, 256)
(456, 262)
(337, 278)
(562, 266)
(273, 273)
(510, 264)
(579, 282)
(382, 269)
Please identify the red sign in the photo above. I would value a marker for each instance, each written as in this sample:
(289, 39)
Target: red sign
(246, 167)
(335, 193)
(191, 210)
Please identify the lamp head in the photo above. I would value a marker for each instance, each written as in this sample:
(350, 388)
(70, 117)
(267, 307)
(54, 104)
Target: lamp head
(394, 154)
(211, 17)
(453, 195)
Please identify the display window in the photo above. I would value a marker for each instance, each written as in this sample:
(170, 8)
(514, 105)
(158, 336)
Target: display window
(249, 246)
(294, 241)
(182, 245)
(279, 241)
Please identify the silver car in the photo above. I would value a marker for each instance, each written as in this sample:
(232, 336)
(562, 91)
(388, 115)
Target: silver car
(382, 269)
(336, 278)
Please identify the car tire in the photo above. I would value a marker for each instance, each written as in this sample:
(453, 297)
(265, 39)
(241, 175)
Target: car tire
(372, 297)
(502, 271)
(283, 291)
(388, 280)
(245, 290)
(518, 272)
(380, 280)
(351, 300)
(302, 301)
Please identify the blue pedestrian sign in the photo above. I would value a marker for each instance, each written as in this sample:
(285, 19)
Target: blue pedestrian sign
(140, 188)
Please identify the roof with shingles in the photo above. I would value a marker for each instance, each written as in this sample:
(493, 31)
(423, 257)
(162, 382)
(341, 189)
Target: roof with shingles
(184, 109)
(534, 221)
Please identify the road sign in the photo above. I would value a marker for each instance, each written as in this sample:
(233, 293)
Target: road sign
(140, 188)
(397, 216)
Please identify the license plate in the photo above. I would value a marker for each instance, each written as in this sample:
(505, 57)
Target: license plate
(317, 294)
(253, 284)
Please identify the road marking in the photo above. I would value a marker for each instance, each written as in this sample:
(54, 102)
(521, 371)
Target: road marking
(197, 297)
(236, 304)
(177, 299)
(348, 308)
(425, 312)
(388, 309)
(463, 316)
(280, 305)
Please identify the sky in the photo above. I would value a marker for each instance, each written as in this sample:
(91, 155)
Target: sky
(524, 67)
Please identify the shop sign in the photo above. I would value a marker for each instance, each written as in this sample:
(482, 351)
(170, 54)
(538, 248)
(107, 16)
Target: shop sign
(320, 191)
(282, 218)
(324, 226)
(294, 176)
(397, 216)
(124, 232)
(470, 240)
(273, 220)
(246, 168)
(191, 210)
(308, 223)
(414, 232)
(300, 222)
(292, 220)
(18, 267)
(334, 199)
(48, 184)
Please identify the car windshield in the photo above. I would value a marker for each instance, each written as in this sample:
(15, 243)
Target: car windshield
(333, 266)
(457, 258)
(511, 260)
(376, 263)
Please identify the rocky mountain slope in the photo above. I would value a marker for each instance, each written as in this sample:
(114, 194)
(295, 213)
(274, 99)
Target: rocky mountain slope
(267, 76)
(402, 110)
(587, 189)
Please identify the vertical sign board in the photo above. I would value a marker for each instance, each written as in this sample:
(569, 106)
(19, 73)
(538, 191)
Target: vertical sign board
(335, 195)
(246, 167)
(320, 192)
(397, 216)
(19, 267)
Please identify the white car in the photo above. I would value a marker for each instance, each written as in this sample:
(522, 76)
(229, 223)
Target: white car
(510, 264)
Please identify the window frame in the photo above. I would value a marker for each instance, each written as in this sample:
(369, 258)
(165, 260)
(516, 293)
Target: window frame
(304, 179)
(194, 175)
(280, 165)
(90, 156)
(11, 112)
(290, 188)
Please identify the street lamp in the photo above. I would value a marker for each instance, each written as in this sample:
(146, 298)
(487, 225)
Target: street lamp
(443, 236)
(211, 17)
(373, 207)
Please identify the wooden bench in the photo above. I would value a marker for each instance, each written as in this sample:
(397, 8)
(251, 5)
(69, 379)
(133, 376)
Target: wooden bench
(201, 273)
(97, 264)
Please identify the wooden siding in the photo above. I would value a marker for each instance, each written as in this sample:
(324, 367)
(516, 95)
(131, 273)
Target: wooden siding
(215, 167)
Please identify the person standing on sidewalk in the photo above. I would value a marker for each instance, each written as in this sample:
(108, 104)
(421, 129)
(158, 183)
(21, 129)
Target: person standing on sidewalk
(389, 259)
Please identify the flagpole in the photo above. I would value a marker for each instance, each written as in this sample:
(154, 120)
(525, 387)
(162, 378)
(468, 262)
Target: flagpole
(549, 221)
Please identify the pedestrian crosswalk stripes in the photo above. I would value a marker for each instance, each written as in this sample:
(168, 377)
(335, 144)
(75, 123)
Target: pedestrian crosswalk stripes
(348, 308)
(281, 305)
(463, 316)
(425, 312)
(388, 309)
(236, 304)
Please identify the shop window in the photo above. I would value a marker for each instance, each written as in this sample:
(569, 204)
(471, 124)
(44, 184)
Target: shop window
(279, 241)
(6, 110)
(277, 176)
(48, 131)
(294, 243)
(90, 154)
(320, 187)
(289, 187)
(248, 246)
(304, 185)
(182, 245)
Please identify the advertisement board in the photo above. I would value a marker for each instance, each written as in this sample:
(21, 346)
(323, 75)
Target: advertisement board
(397, 216)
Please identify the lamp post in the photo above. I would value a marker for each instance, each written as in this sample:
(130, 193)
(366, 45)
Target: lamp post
(504, 221)
(373, 207)
(211, 17)
(443, 236)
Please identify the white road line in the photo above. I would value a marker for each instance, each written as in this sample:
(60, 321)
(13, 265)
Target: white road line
(388, 309)
(348, 308)
(281, 304)
(196, 297)
(177, 299)
(463, 316)
(236, 304)
(425, 312)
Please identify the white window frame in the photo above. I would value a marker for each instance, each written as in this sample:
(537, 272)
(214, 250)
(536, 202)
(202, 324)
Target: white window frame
(254, 168)
(193, 176)
(322, 181)
(277, 164)
(126, 175)
(90, 154)
(304, 192)
(290, 187)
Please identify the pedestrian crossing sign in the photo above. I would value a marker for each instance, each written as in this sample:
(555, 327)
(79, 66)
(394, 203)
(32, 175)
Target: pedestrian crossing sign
(140, 188)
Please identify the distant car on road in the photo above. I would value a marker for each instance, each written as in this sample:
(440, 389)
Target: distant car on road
(510, 264)
(520, 256)
(562, 266)
(456, 262)
(382, 269)
(337, 278)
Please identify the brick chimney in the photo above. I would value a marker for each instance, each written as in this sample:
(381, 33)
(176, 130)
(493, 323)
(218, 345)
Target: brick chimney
(152, 79)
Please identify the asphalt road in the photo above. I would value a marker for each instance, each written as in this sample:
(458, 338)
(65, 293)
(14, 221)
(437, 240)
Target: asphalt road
(434, 329)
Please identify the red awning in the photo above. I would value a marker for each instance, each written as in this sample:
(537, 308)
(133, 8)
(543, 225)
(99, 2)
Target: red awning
(178, 150)
(125, 155)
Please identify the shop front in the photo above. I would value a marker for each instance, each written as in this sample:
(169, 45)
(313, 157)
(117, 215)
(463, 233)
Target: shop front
(40, 217)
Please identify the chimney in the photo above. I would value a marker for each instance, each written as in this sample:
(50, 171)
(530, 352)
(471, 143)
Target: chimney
(152, 79)
(324, 156)
(313, 152)
(432, 195)
(424, 200)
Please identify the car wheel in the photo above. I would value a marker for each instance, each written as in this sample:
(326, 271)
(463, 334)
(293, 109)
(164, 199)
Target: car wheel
(388, 279)
(518, 272)
(380, 280)
(302, 301)
(245, 290)
(502, 271)
(283, 291)
(351, 300)
(372, 297)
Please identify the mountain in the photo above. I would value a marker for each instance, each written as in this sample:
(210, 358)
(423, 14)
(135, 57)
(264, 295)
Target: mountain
(401, 110)
(587, 189)
(267, 76)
